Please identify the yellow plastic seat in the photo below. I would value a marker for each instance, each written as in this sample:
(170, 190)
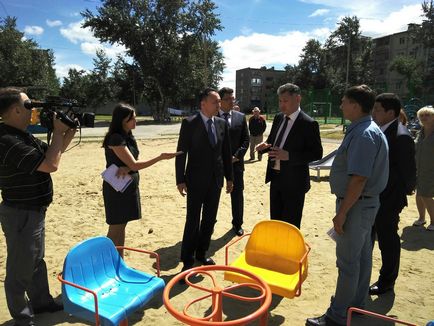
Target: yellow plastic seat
(277, 253)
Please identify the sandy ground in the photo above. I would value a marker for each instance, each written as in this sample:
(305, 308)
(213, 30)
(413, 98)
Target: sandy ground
(77, 213)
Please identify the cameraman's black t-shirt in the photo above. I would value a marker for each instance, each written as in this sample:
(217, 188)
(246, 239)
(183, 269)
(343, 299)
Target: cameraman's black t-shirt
(20, 156)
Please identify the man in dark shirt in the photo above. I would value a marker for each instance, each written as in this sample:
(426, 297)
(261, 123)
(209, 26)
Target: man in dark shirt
(257, 126)
(27, 190)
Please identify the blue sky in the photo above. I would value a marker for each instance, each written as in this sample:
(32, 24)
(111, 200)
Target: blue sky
(256, 32)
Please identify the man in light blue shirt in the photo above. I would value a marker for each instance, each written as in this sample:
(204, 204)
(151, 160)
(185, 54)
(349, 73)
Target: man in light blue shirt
(359, 174)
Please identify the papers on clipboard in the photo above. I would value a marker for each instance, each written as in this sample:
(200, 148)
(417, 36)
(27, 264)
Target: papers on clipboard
(118, 183)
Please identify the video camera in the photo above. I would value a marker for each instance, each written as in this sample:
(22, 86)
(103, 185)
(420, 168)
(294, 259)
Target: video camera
(68, 111)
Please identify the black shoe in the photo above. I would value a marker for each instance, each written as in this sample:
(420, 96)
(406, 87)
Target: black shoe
(375, 289)
(205, 261)
(238, 230)
(184, 268)
(321, 321)
(51, 307)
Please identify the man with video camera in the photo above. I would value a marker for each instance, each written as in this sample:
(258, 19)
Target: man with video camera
(27, 190)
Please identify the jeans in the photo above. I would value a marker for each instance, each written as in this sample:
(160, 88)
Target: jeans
(354, 258)
(26, 271)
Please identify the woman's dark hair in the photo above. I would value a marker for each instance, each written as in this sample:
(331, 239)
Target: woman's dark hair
(120, 112)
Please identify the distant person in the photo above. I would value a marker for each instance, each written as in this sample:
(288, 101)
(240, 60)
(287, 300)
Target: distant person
(294, 141)
(257, 126)
(204, 140)
(239, 136)
(403, 117)
(425, 167)
(27, 191)
(236, 108)
(121, 149)
(358, 175)
(401, 182)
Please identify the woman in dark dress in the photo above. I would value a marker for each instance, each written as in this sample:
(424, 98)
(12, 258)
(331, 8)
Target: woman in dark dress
(121, 149)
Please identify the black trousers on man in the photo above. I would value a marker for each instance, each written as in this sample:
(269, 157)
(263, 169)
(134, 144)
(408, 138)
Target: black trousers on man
(197, 231)
(386, 227)
(285, 205)
(237, 198)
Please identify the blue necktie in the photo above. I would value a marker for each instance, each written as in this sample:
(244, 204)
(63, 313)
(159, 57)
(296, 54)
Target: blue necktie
(210, 133)
(226, 116)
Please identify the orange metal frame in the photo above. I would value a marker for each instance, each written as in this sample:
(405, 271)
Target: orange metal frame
(373, 314)
(300, 262)
(95, 296)
(217, 293)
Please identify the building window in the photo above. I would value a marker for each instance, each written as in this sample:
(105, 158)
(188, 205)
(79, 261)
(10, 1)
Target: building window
(402, 40)
(256, 82)
(398, 85)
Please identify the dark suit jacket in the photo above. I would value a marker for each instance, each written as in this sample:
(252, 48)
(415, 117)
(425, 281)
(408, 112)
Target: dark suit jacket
(303, 145)
(402, 167)
(201, 163)
(239, 135)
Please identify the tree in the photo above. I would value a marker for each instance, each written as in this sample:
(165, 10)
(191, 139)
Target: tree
(311, 67)
(23, 63)
(101, 90)
(348, 56)
(75, 86)
(411, 70)
(128, 84)
(425, 32)
(167, 39)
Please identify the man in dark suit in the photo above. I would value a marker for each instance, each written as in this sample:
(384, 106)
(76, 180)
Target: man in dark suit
(401, 182)
(239, 136)
(204, 139)
(294, 141)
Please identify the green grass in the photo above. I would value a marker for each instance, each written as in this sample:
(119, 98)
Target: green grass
(332, 134)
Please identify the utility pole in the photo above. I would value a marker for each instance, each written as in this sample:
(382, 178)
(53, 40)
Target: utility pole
(205, 54)
(348, 62)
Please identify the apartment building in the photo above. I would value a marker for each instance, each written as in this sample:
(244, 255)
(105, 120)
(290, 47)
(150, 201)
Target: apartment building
(256, 87)
(386, 49)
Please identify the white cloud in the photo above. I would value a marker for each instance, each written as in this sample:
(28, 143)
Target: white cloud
(393, 23)
(246, 30)
(75, 33)
(319, 12)
(89, 44)
(111, 51)
(259, 49)
(62, 70)
(53, 23)
(33, 30)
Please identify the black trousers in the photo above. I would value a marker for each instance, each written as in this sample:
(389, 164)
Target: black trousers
(284, 204)
(197, 231)
(237, 198)
(386, 227)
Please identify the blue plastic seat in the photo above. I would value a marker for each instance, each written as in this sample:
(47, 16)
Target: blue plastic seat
(94, 265)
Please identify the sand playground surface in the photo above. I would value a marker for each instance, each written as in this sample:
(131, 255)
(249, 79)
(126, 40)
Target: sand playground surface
(77, 213)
